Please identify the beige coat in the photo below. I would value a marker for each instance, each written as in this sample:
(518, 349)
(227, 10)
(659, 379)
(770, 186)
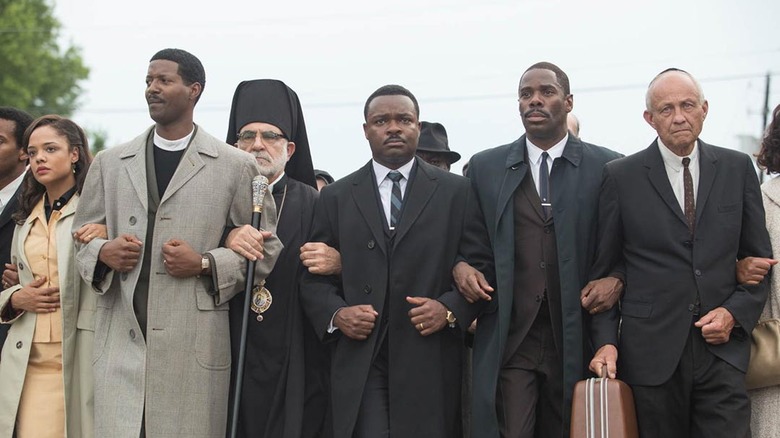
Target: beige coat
(78, 329)
(178, 376)
(765, 422)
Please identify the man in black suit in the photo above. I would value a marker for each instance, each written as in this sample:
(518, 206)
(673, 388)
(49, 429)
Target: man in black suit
(13, 162)
(679, 214)
(539, 196)
(397, 322)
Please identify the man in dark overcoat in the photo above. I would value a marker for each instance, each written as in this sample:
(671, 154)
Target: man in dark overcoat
(539, 196)
(393, 313)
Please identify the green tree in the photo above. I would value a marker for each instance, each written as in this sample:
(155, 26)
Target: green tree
(35, 73)
(97, 140)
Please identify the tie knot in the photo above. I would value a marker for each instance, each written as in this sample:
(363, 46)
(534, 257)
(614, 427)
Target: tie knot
(545, 155)
(395, 175)
(686, 161)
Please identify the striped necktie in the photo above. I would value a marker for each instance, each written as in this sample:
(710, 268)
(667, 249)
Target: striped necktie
(544, 186)
(395, 199)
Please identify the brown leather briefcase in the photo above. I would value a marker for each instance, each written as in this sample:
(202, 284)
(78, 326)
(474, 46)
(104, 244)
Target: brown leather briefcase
(603, 408)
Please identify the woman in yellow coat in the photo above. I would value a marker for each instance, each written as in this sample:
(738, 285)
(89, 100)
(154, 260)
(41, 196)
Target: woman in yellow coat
(46, 364)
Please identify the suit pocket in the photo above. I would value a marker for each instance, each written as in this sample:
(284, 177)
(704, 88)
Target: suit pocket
(729, 208)
(212, 339)
(636, 309)
(86, 320)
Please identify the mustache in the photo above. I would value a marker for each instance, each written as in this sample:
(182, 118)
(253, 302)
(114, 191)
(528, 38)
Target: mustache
(536, 110)
(394, 138)
(153, 99)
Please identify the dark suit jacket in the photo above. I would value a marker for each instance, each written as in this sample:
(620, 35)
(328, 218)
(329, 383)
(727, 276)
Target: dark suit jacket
(641, 221)
(7, 226)
(574, 181)
(439, 221)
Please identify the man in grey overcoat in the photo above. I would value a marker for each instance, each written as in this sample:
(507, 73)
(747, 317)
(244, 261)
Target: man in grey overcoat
(162, 345)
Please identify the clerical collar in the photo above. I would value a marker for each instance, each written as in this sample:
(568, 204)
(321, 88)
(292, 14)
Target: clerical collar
(273, 184)
(48, 208)
(172, 145)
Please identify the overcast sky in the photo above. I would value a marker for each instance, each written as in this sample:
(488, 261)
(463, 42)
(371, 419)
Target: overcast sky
(461, 58)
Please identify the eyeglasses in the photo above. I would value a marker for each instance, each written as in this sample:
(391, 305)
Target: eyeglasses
(247, 138)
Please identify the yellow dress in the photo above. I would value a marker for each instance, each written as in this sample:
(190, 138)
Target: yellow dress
(42, 404)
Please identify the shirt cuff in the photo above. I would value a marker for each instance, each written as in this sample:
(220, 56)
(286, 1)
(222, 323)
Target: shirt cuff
(332, 328)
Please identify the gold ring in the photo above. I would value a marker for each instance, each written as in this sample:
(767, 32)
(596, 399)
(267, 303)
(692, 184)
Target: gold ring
(422, 327)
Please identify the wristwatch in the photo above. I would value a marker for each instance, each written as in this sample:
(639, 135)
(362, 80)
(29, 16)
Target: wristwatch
(205, 265)
(451, 320)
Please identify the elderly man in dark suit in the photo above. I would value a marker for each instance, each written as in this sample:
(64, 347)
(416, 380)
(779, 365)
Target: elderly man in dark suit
(13, 162)
(678, 214)
(397, 322)
(539, 195)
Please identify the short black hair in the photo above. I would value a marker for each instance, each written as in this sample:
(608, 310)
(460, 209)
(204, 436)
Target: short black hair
(190, 68)
(20, 118)
(391, 90)
(560, 76)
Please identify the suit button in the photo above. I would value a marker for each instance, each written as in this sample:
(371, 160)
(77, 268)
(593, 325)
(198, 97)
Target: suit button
(19, 344)
(542, 265)
(538, 298)
(697, 272)
(367, 288)
(688, 244)
(371, 244)
(690, 307)
(132, 334)
(132, 220)
(21, 266)
(124, 276)
(547, 230)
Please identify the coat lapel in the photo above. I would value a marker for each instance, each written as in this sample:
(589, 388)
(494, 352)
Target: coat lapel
(516, 168)
(10, 208)
(364, 196)
(419, 192)
(136, 166)
(707, 162)
(191, 163)
(660, 180)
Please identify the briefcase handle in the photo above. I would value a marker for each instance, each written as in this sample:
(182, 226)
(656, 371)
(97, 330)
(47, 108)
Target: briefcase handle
(604, 371)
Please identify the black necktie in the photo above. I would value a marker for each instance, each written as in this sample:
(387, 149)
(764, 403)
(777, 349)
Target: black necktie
(395, 198)
(690, 205)
(544, 186)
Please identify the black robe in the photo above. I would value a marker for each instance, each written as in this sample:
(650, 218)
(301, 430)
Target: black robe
(284, 390)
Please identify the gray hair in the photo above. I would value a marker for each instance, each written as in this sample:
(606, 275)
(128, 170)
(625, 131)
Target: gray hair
(696, 83)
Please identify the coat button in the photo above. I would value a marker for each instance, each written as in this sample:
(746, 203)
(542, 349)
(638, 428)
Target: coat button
(538, 298)
(371, 244)
(124, 276)
(542, 265)
(21, 266)
(697, 272)
(690, 307)
(132, 220)
(547, 230)
(367, 288)
(132, 334)
(19, 344)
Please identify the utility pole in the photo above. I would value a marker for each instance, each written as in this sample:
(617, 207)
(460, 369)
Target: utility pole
(764, 120)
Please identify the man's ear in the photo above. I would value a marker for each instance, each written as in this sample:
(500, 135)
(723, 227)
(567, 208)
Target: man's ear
(290, 149)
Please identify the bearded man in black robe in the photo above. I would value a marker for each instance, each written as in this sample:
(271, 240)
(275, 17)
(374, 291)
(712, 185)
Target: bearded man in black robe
(285, 378)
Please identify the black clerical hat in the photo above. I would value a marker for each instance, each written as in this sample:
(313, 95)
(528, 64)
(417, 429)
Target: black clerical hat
(433, 139)
(271, 101)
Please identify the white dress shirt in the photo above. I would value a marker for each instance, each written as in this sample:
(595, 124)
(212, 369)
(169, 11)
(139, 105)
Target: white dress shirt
(385, 184)
(674, 170)
(7, 192)
(535, 157)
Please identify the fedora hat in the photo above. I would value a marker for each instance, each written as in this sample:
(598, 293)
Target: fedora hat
(433, 139)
